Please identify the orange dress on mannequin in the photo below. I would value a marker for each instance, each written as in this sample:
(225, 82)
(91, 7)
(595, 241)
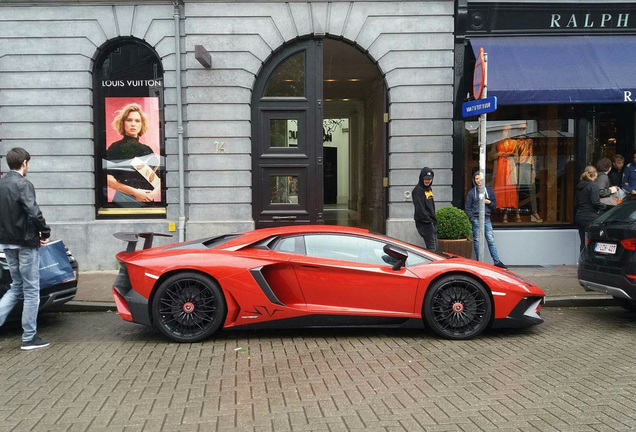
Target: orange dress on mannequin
(505, 185)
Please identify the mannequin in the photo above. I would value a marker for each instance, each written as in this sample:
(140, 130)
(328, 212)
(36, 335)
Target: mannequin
(505, 185)
(527, 174)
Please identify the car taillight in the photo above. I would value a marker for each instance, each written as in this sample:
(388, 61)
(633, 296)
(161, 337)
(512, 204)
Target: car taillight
(587, 240)
(629, 244)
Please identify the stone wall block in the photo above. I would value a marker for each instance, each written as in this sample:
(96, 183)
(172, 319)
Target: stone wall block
(46, 80)
(220, 212)
(389, 42)
(46, 130)
(18, 114)
(338, 13)
(219, 112)
(45, 63)
(421, 127)
(226, 128)
(415, 144)
(219, 195)
(215, 178)
(219, 78)
(430, 110)
(220, 95)
(46, 147)
(409, 93)
(374, 26)
(412, 59)
(410, 177)
(124, 19)
(301, 16)
(417, 161)
(419, 76)
(245, 61)
(49, 97)
(220, 145)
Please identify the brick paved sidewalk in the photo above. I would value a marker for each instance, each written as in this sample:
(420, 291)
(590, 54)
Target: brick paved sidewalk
(575, 372)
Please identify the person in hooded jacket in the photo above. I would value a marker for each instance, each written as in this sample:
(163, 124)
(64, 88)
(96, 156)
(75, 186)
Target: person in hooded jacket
(472, 210)
(587, 202)
(424, 203)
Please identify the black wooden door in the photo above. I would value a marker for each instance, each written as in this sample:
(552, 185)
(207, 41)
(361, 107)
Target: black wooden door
(287, 137)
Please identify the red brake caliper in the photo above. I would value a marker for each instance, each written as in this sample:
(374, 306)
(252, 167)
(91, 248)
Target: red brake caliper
(458, 307)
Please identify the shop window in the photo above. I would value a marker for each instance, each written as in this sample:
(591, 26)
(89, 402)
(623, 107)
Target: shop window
(129, 131)
(529, 163)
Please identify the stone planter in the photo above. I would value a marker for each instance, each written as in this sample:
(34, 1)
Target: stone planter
(461, 247)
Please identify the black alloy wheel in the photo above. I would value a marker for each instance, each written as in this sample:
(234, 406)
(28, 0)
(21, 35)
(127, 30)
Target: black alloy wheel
(457, 307)
(188, 307)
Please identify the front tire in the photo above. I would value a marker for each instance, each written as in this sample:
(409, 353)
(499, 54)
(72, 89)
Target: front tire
(457, 307)
(188, 307)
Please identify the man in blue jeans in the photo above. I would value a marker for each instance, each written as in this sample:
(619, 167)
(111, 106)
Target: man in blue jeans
(472, 210)
(22, 231)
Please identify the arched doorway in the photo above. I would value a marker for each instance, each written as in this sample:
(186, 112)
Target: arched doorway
(319, 138)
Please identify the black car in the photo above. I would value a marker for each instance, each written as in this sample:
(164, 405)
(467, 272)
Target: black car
(608, 261)
(52, 296)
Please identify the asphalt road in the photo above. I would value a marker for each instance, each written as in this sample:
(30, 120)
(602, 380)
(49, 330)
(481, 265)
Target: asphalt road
(575, 372)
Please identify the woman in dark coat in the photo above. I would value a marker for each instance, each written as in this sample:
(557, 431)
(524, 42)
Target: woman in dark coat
(587, 202)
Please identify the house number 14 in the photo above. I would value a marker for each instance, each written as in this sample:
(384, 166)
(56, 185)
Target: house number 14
(220, 147)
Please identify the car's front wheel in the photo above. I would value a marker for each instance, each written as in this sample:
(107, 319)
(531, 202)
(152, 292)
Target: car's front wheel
(457, 307)
(188, 307)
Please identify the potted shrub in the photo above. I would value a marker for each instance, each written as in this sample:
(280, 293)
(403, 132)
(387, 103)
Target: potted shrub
(454, 231)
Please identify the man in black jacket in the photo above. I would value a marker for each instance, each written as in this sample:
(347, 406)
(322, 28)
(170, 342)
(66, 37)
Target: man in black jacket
(22, 231)
(425, 219)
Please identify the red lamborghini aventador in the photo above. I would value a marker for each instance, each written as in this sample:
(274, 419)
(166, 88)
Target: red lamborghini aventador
(314, 276)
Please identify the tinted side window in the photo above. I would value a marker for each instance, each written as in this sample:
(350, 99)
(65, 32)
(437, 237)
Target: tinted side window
(352, 248)
(293, 245)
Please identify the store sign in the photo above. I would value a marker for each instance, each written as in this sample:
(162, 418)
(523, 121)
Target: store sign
(551, 18)
(589, 20)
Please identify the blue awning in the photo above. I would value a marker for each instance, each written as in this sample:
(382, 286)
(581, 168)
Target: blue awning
(560, 70)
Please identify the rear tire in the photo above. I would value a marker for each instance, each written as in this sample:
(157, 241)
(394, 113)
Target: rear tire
(457, 307)
(188, 307)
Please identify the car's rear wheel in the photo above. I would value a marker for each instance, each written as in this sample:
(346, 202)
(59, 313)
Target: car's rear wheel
(457, 307)
(188, 307)
(630, 305)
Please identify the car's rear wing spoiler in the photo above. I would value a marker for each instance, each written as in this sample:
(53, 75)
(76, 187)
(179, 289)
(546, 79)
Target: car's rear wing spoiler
(133, 238)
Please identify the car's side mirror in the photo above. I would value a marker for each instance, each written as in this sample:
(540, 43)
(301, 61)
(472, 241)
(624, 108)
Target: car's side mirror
(397, 253)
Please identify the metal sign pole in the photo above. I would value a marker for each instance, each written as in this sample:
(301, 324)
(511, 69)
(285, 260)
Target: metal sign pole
(482, 167)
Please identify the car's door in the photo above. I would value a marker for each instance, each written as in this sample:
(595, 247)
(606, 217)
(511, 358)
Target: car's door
(352, 274)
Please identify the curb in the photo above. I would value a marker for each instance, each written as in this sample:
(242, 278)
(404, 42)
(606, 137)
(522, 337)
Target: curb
(554, 301)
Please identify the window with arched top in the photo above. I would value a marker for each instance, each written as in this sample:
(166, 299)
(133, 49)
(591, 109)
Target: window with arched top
(288, 79)
(129, 131)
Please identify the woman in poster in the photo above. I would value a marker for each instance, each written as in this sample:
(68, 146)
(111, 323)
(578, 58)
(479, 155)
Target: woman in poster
(132, 166)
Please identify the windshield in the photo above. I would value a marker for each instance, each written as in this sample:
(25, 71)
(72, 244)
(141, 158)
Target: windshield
(624, 212)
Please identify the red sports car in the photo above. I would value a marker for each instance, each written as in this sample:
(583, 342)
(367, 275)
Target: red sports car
(314, 276)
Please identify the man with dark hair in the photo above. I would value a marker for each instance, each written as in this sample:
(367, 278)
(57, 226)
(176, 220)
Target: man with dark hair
(425, 218)
(22, 231)
(472, 210)
(616, 174)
